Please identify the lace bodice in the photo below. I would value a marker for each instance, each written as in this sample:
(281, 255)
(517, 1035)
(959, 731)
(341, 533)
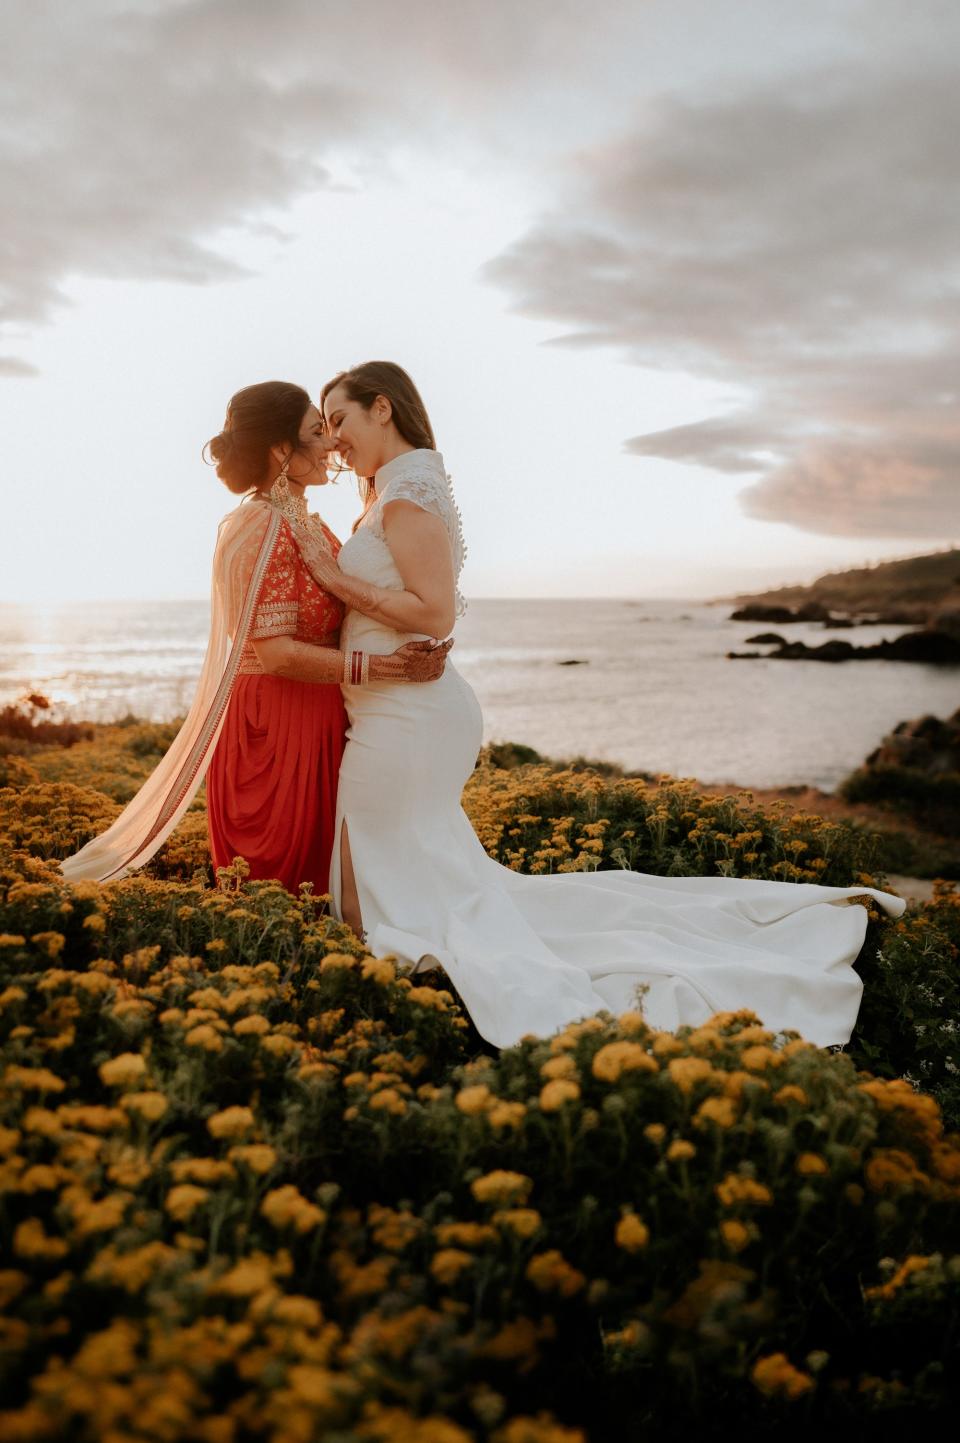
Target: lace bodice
(420, 477)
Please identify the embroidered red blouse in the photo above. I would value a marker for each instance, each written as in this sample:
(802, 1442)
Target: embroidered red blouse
(291, 603)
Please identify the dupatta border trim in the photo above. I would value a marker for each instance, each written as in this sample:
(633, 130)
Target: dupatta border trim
(185, 777)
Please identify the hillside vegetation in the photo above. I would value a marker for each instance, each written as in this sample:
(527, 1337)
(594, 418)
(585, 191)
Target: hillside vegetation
(912, 588)
(257, 1184)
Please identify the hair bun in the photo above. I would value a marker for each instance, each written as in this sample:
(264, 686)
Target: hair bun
(258, 417)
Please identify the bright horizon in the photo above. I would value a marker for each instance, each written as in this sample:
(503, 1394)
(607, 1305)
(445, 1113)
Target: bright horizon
(676, 305)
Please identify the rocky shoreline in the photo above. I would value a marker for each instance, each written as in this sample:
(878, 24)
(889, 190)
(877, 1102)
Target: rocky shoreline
(934, 648)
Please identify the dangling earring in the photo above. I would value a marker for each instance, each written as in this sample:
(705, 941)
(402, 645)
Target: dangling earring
(280, 490)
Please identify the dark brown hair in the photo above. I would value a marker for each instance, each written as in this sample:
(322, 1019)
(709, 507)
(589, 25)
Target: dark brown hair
(383, 378)
(258, 417)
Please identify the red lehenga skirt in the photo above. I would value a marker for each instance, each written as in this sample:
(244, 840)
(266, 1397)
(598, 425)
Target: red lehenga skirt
(272, 780)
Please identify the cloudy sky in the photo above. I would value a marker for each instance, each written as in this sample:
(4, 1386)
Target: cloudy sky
(678, 279)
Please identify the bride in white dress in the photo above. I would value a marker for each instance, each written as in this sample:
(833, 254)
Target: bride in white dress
(527, 954)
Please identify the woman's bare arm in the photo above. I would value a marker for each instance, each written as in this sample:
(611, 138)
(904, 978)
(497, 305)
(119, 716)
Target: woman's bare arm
(420, 547)
(299, 661)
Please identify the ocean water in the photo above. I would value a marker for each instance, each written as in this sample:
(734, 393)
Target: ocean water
(653, 688)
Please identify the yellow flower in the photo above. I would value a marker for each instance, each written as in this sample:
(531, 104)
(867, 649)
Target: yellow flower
(279, 1045)
(253, 1026)
(337, 961)
(557, 1092)
(447, 1265)
(542, 1429)
(393, 1230)
(33, 1079)
(39, 1178)
(686, 1072)
(666, 1045)
(465, 1235)
(616, 1058)
(52, 943)
(551, 1273)
(204, 1036)
(149, 1105)
(245, 1278)
(890, 1168)
(430, 997)
(501, 1187)
(232, 1122)
(505, 1114)
(734, 1234)
(94, 922)
(388, 1099)
(656, 1132)
(524, 1222)
(471, 1100)
(791, 1093)
(737, 1189)
(201, 1169)
(257, 1156)
(907, 1268)
(93, 1117)
(561, 1066)
(776, 1377)
(30, 1241)
(809, 1164)
(298, 1311)
(681, 1150)
(286, 1206)
(631, 1023)
(182, 1201)
(379, 969)
(631, 1234)
(123, 1071)
(720, 1110)
(760, 1057)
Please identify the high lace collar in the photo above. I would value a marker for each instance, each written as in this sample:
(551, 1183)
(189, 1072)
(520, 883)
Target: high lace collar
(410, 463)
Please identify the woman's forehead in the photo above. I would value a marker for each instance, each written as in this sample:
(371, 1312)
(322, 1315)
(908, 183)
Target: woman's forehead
(334, 398)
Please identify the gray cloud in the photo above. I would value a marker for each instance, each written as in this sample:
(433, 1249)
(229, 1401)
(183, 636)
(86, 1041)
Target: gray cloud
(802, 241)
(133, 132)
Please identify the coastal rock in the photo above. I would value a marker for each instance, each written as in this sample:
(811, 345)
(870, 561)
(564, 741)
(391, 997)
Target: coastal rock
(935, 648)
(759, 611)
(766, 638)
(915, 771)
(756, 611)
(574, 662)
(926, 743)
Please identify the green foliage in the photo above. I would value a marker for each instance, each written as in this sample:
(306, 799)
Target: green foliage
(909, 1022)
(256, 1184)
(930, 799)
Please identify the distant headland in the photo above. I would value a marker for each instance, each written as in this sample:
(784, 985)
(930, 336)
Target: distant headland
(920, 592)
(912, 591)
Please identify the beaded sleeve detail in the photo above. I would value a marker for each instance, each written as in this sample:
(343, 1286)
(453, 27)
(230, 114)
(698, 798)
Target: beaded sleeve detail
(419, 476)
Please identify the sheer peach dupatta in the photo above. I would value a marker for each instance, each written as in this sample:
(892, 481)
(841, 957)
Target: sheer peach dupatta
(245, 543)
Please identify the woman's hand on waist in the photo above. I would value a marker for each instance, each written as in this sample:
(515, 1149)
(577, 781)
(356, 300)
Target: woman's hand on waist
(416, 661)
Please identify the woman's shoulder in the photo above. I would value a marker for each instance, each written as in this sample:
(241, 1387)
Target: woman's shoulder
(251, 519)
(417, 476)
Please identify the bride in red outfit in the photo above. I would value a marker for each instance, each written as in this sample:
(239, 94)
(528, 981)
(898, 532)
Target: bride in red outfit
(267, 724)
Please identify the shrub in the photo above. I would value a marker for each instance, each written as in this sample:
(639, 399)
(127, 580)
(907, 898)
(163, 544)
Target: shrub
(257, 1184)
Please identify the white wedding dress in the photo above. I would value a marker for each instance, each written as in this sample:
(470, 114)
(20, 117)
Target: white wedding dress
(530, 954)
